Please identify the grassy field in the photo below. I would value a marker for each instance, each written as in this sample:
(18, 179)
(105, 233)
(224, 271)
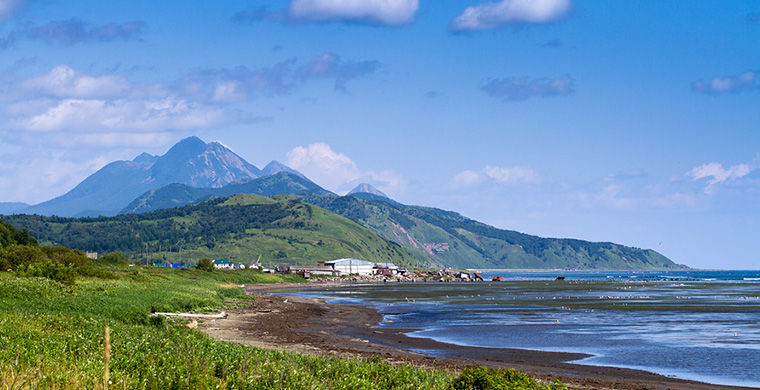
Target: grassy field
(52, 337)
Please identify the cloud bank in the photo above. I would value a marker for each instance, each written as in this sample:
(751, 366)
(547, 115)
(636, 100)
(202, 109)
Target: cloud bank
(510, 13)
(523, 88)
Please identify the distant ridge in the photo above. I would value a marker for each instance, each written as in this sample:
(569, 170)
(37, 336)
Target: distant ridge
(367, 189)
(276, 167)
(12, 207)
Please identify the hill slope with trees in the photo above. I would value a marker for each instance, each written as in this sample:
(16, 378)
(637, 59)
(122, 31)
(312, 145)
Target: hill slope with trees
(281, 229)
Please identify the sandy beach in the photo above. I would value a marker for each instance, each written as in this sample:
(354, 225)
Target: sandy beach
(309, 325)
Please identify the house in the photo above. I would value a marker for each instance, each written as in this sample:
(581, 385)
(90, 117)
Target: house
(91, 255)
(351, 266)
(223, 264)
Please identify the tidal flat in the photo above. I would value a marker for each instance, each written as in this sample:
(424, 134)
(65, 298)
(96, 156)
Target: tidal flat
(691, 325)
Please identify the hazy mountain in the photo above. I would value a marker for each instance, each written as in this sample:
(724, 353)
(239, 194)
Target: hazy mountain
(366, 188)
(191, 162)
(12, 207)
(175, 195)
(276, 167)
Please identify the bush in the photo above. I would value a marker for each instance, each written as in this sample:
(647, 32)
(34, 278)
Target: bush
(205, 264)
(114, 258)
(481, 378)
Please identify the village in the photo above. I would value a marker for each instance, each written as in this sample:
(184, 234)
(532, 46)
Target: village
(349, 268)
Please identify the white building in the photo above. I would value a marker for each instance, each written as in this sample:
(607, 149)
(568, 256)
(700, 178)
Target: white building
(223, 264)
(351, 266)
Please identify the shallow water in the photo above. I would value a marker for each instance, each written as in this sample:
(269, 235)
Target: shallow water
(701, 325)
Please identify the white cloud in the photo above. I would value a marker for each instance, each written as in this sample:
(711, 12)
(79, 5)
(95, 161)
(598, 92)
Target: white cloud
(507, 175)
(85, 115)
(63, 81)
(511, 174)
(510, 12)
(337, 172)
(392, 12)
(717, 174)
(229, 91)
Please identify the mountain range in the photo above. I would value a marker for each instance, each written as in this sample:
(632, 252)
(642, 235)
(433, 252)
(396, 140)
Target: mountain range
(193, 172)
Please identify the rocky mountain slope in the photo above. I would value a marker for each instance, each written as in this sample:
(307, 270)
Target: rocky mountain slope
(191, 162)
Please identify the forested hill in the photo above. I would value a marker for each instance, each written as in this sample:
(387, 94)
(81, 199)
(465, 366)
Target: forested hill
(9, 235)
(446, 237)
(281, 229)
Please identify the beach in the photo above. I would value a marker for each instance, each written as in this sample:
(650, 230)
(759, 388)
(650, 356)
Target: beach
(310, 325)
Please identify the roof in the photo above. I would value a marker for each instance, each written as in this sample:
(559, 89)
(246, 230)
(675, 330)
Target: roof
(222, 261)
(386, 265)
(349, 262)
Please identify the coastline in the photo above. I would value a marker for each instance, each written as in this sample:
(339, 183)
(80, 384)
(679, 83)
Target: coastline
(309, 325)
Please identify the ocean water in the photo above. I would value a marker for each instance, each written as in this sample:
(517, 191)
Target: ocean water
(699, 325)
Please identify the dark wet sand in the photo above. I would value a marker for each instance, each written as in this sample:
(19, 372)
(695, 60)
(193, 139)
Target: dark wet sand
(310, 325)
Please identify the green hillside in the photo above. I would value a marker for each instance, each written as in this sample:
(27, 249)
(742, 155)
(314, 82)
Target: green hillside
(281, 229)
(448, 238)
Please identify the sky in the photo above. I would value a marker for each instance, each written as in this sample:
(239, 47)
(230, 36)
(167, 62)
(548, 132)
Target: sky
(636, 122)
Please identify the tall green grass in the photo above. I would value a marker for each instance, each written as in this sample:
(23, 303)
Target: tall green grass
(52, 337)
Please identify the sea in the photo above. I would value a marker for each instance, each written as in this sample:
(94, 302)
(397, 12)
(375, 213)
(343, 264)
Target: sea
(697, 325)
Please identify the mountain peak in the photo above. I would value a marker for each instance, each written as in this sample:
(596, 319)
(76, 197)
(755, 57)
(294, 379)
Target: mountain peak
(190, 161)
(275, 166)
(368, 189)
(144, 158)
(188, 146)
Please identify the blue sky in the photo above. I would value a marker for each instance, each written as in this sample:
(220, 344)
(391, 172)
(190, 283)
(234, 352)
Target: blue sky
(633, 122)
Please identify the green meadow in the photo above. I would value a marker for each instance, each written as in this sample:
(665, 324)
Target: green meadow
(52, 337)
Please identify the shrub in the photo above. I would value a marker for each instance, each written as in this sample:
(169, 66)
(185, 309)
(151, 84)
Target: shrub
(481, 378)
(114, 258)
(205, 264)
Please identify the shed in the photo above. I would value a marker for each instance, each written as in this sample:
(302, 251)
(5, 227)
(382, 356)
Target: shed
(351, 266)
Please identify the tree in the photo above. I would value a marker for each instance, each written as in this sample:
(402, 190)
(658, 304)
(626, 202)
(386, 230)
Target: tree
(205, 264)
(115, 258)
